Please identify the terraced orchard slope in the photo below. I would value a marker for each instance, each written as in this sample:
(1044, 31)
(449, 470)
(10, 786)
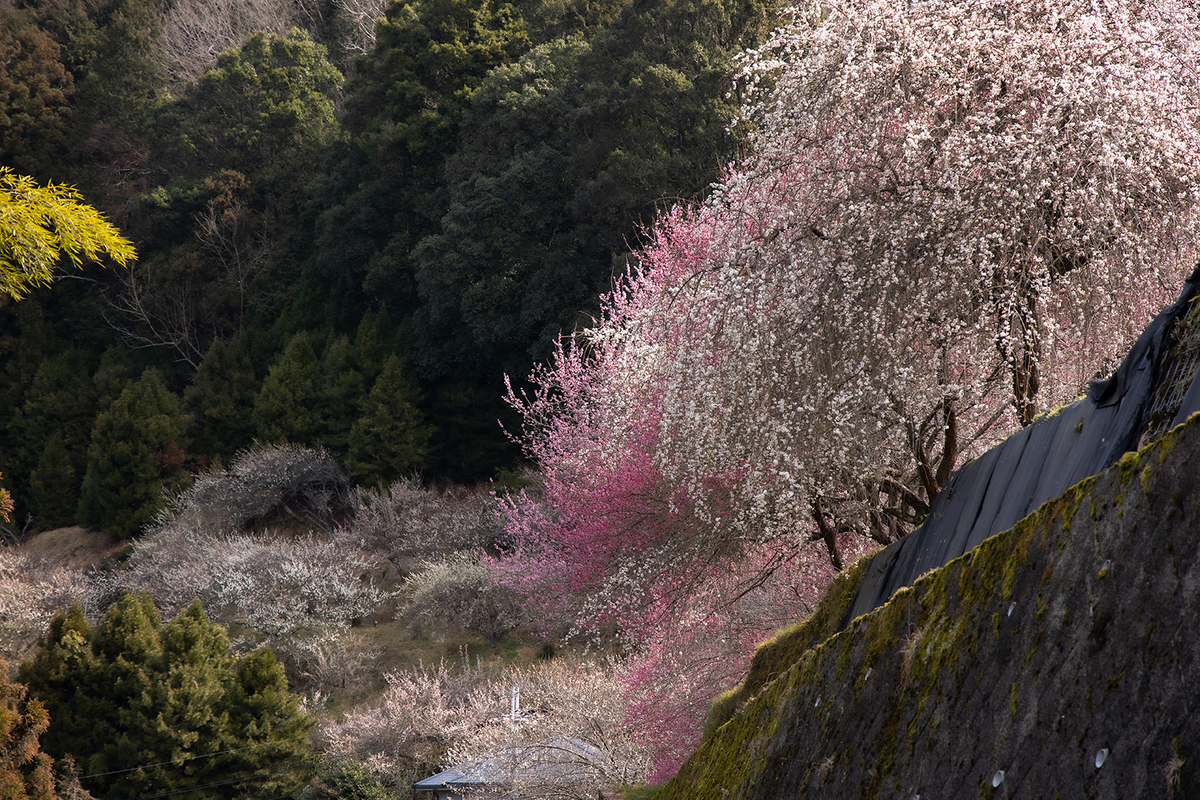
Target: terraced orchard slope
(1059, 659)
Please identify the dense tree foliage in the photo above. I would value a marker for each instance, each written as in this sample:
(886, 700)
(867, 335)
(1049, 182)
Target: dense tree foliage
(404, 104)
(564, 155)
(390, 437)
(35, 90)
(146, 707)
(258, 105)
(464, 194)
(136, 455)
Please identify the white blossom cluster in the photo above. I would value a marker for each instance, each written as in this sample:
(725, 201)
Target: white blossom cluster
(277, 585)
(265, 480)
(274, 582)
(406, 519)
(459, 589)
(32, 591)
(953, 216)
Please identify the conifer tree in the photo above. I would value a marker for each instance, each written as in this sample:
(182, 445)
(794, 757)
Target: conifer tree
(136, 453)
(339, 396)
(390, 438)
(220, 399)
(373, 343)
(25, 771)
(59, 402)
(182, 708)
(283, 410)
(111, 377)
(61, 399)
(261, 708)
(63, 674)
(26, 339)
(149, 708)
(53, 486)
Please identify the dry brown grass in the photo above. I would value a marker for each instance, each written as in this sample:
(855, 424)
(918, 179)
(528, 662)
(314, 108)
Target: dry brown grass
(73, 547)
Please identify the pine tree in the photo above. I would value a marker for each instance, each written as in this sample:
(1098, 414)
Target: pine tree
(391, 438)
(283, 408)
(136, 454)
(53, 486)
(149, 708)
(220, 400)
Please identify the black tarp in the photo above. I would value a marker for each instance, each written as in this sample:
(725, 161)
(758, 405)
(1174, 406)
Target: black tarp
(1036, 464)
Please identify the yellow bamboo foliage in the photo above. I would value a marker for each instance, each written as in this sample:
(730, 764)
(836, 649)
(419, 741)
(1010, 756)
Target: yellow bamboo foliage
(41, 225)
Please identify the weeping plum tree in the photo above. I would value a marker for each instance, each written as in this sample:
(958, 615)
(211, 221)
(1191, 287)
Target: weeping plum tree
(954, 217)
(951, 217)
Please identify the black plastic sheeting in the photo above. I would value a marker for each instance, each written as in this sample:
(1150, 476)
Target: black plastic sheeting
(1040, 462)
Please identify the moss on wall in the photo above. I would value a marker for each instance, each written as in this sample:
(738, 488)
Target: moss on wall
(1057, 659)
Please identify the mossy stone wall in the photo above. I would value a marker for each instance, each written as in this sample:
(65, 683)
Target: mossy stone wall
(1060, 659)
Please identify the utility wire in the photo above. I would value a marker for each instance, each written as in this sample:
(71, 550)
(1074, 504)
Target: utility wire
(178, 761)
(214, 784)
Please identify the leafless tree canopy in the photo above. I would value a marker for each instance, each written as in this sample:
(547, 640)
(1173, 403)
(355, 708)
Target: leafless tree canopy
(196, 31)
(406, 519)
(356, 24)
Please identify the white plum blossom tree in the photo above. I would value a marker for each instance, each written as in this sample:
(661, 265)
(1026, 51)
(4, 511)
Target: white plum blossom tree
(459, 589)
(32, 591)
(225, 541)
(951, 217)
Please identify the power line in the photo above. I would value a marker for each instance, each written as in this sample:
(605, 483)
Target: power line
(214, 784)
(178, 761)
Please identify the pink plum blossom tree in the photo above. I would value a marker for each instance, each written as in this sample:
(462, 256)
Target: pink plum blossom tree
(952, 215)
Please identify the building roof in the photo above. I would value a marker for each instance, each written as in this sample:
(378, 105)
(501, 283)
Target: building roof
(555, 759)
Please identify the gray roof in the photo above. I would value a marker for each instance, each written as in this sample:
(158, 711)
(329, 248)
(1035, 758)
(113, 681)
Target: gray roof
(547, 760)
(489, 772)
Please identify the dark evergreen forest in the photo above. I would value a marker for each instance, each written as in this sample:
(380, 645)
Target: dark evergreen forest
(346, 235)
